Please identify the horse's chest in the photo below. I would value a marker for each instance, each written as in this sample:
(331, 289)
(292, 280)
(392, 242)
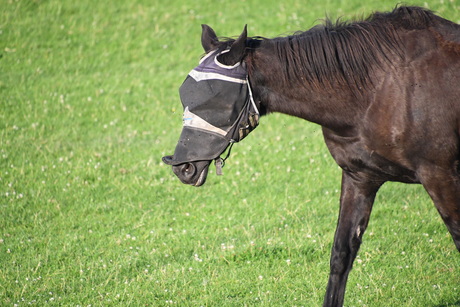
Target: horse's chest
(353, 155)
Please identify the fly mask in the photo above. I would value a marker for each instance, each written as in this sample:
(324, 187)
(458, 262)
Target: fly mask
(219, 110)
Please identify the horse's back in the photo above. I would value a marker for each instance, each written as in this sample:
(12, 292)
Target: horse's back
(448, 35)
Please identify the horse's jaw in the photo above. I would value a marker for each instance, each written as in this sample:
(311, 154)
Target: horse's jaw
(192, 173)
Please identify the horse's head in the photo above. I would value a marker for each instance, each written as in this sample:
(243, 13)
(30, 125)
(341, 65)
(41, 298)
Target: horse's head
(218, 108)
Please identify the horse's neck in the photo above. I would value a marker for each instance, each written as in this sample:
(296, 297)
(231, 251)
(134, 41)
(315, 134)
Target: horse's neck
(332, 107)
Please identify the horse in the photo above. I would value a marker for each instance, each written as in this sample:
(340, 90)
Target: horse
(385, 90)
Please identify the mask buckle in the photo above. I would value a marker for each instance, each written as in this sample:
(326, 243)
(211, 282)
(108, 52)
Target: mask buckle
(220, 163)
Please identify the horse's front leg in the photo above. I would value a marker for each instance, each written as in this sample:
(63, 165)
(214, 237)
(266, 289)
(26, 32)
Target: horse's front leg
(444, 188)
(356, 202)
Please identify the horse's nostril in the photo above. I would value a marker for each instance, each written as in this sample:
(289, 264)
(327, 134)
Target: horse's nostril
(188, 169)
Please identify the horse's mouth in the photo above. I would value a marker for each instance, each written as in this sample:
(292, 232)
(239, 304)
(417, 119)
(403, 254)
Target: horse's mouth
(202, 179)
(192, 173)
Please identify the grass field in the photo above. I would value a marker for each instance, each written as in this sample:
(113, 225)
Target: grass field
(89, 216)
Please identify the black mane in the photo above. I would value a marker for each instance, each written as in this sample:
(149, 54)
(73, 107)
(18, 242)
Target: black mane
(344, 52)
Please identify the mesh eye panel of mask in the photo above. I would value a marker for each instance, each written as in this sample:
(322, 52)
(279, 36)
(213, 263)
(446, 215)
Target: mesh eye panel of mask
(213, 96)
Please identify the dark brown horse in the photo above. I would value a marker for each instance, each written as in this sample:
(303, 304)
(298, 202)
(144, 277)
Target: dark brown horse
(386, 91)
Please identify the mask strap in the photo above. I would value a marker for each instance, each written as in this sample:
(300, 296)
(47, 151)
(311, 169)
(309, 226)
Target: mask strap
(220, 163)
(250, 96)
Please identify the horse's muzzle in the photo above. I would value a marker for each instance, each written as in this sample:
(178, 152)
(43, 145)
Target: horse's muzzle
(192, 173)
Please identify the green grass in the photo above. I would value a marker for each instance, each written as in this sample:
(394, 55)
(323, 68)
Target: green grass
(90, 216)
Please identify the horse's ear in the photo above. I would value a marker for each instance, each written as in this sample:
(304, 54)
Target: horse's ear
(209, 39)
(237, 50)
